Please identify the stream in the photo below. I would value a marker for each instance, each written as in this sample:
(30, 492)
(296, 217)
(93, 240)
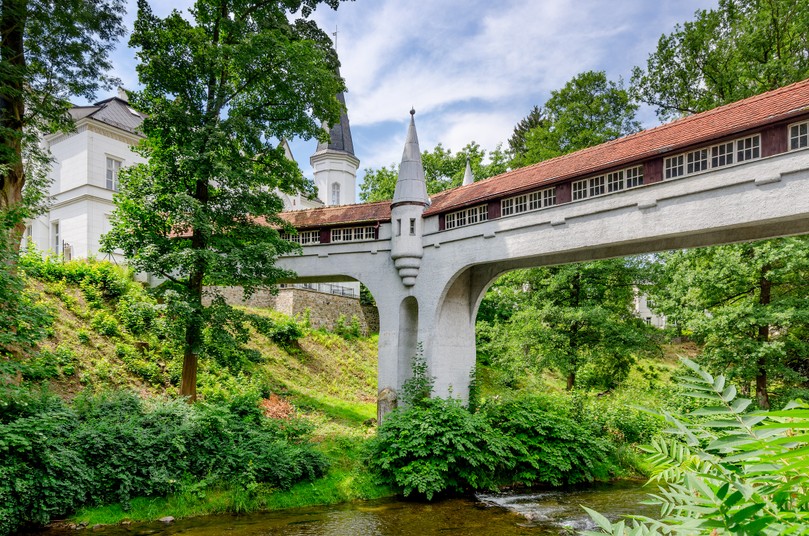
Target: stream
(551, 512)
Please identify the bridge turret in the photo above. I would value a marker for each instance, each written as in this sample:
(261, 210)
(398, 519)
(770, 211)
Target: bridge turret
(409, 201)
(468, 178)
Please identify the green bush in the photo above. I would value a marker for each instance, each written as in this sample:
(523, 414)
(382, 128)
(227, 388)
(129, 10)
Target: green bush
(547, 445)
(105, 324)
(437, 446)
(348, 330)
(112, 447)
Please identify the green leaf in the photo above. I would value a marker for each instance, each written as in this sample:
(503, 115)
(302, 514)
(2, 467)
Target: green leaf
(599, 519)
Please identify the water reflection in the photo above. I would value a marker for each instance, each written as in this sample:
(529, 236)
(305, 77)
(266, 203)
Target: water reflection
(536, 513)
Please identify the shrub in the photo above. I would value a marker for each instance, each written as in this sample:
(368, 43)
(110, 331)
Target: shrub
(112, 447)
(547, 445)
(105, 324)
(435, 446)
(348, 331)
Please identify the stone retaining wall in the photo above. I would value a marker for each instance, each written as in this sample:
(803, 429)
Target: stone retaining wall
(324, 310)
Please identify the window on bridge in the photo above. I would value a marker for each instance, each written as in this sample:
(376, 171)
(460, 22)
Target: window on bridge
(748, 148)
(467, 216)
(614, 181)
(353, 234)
(714, 156)
(303, 238)
(527, 202)
(799, 135)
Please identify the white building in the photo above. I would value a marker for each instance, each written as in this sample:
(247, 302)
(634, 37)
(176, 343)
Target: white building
(84, 177)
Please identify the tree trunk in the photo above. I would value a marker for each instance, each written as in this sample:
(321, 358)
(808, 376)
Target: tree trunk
(571, 381)
(764, 298)
(193, 329)
(12, 108)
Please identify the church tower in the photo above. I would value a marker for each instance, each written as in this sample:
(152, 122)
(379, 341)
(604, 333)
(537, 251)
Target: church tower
(409, 201)
(334, 164)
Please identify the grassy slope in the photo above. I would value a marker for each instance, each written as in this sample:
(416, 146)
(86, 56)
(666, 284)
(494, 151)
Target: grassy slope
(329, 381)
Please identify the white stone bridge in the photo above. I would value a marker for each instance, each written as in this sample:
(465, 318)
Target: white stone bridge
(736, 173)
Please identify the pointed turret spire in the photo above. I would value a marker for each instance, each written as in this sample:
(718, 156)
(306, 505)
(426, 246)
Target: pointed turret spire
(411, 186)
(339, 134)
(468, 178)
(335, 164)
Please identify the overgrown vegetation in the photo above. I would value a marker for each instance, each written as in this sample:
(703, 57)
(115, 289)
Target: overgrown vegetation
(73, 435)
(724, 470)
(110, 448)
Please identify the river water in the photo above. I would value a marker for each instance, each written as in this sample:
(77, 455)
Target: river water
(535, 513)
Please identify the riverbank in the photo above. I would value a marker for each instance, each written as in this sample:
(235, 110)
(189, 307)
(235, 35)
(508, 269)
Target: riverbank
(108, 336)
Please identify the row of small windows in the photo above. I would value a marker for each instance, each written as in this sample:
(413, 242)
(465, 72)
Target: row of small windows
(303, 238)
(527, 202)
(611, 182)
(724, 154)
(467, 216)
(353, 234)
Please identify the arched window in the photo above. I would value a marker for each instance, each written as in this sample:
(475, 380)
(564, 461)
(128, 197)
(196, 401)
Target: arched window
(335, 193)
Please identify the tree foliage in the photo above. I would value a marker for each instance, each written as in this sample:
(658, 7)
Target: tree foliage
(50, 52)
(443, 169)
(219, 88)
(575, 319)
(587, 111)
(746, 304)
(739, 49)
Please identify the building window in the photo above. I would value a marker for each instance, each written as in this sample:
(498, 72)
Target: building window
(615, 181)
(57, 239)
(412, 226)
(398, 227)
(722, 154)
(526, 202)
(304, 238)
(799, 136)
(354, 234)
(579, 190)
(335, 193)
(467, 216)
(113, 168)
(697, 161)
(634, 177)
(597, 186)
(748, 148)
(674, 166)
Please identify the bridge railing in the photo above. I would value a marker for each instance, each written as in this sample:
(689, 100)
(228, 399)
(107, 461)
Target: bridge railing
(326, 288)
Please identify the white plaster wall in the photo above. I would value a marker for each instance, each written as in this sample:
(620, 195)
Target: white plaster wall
(73, 224)
(99, 148)
(70, 169)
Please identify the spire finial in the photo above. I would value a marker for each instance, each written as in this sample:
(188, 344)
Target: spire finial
(468, 178)
(412, 111)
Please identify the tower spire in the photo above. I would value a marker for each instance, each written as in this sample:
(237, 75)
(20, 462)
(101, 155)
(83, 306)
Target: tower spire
(411, 186)
(406, 209)
(468, 178)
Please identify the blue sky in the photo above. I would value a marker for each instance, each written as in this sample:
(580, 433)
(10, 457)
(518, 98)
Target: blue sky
(471, 69)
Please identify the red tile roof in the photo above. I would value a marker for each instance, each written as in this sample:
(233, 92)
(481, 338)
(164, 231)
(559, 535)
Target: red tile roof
(736, 118)
(338, 215)
(754, 112)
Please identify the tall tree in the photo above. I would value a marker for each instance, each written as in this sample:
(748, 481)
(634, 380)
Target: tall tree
(535, 118)
(575, 319)
(739, 49)
(221, 86)
(49, 52)
(443, 169)
(746, 303)
(588, 110)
